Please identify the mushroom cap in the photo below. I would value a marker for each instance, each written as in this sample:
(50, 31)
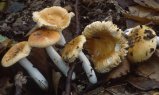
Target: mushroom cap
(105, 44)
(55, 17)
(143, 42)
(73, 48)
(15, 53)
(43, 38)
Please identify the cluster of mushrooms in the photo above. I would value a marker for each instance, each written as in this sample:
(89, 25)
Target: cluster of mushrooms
(106, 44)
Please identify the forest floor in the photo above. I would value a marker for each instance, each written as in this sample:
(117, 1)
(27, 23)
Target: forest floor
(16, 21)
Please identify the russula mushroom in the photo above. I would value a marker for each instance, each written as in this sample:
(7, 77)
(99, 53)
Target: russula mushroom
(18, 53)
(45, 38)
(56, 18)
(105, 44)
(127, 31)
(72, 50)
(143, 42)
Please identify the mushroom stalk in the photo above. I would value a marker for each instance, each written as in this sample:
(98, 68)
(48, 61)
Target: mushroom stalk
(62, 41)
(56, 58)
(87, 68)
(32, 30)
(34, 73)
(127, 31)
(157, 41)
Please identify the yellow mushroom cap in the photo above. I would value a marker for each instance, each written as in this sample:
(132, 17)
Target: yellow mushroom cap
(106, 45)
(55, 17)
(143, 42)
(43, 38)
(73, 48)
(15, 53)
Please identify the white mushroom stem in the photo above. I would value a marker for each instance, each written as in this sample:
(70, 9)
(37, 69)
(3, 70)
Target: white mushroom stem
(127, 31)
(85, 62)
(34, 73)
(62, 41)
(32, 30)
(56, 58)
(88, 68)
(157, 41)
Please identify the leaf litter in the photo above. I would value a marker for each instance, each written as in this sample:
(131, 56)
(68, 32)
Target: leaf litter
(143, 11)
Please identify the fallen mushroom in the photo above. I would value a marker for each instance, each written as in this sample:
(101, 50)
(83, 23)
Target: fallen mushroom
(56, 18)
(105, 44)
(127, 32)
(45, 38)
(72, 50)
(143, 42)
(18, 53)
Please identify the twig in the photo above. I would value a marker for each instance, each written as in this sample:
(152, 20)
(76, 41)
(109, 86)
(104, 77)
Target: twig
(68, 81)
(70, 72)
(19, 79)
(77, 17)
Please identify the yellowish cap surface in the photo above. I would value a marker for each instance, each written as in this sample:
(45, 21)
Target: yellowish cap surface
(143, 42)
(43, 38)
(15, 53)
(73, 48)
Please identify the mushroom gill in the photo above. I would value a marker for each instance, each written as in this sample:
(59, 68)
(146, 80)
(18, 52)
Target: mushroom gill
(106, 45)
(54, 17)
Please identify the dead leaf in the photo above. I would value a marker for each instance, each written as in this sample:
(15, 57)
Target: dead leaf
(131, 23)
(57, 3)
(4, 85)
(148, 3)
(5, 43)
(91, 2)
(121, 70)
(141, 14)
(150, 68)
(156, 53)
(2, 5)
(56, 76)
(143, 83)
(98, 91)
(155, 93)
(125, 3)
(120, 89)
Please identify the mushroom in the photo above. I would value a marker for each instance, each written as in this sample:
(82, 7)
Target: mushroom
(105, 44)
(72, 50)
(45, 38)
(127, 32)
(56, 18)
(143, 42)
(18, 53)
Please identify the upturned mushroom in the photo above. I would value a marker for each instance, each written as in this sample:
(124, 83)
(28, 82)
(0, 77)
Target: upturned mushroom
(127, 32)
(45, 38)
(106, 45)
(72, 50)
(143, 42)
(56, 18)
(18, 53)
